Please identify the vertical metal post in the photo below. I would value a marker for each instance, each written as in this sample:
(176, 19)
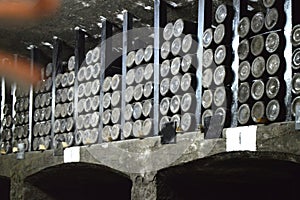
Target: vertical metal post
(288, 52)
(56, 60)
(160, 19)
(201, 9)
(79, 58)
(235, 63)
(127, 26)
(156, 66)
(106, 50)
(2, 100)
(14, 100)
(34, 56)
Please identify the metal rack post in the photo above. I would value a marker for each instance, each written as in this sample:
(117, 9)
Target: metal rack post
(2, 100)
(56, 61)
(160, 19)
(14, 100)
(288, 52)
(127, 26)
(106, 49)
(79, 58)
(34, 57)
(201, 10)
(235, 63)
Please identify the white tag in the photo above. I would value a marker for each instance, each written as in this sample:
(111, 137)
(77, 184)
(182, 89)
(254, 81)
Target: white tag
(72, 154)
(241, 138)
(15, 150)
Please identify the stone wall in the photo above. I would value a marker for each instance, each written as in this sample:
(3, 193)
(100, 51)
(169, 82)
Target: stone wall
(145, 169)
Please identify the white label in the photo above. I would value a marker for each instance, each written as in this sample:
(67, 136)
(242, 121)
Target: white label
(241, 138)
(72, 154)
(15, 150)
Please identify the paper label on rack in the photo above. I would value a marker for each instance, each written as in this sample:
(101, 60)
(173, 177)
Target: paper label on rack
(42, 147)
(2, 151)
(64, 144)
(241, 138)
(72, 154)
(15, 150)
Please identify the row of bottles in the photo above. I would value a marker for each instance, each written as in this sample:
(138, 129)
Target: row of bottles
(262, 63)
(178, 81)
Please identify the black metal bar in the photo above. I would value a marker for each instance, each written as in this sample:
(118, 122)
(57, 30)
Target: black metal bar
(8, 97)
(127, 41)
(35, 58)
(129, 26)
(79, 58)
(2, 103)
(56, 61)
(79, 47)
(205, 6)
(106, 50)
(163, 19)
(68, 50)
(56, 57)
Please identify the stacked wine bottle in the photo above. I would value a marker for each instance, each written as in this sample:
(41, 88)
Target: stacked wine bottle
(217, 73)
(88, 99)
(295, 69)
(138, 113)
(6, 137)
(178, 75)
(42, 110)
(262, 63)
(111, 117)
(64, 103)
(21, 117)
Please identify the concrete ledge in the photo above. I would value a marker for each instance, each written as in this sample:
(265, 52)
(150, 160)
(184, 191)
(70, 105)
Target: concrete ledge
(140, 160)
(147, 155)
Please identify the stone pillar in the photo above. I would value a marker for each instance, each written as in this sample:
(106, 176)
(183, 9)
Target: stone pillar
(32, 192)
(17, 186)
(144, 186)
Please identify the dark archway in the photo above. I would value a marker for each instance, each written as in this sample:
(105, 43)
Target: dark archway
(4, 188)
(240, 175)
(78, 181)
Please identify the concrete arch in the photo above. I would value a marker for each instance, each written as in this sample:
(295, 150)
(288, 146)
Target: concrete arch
(77, 181)
(236, 175)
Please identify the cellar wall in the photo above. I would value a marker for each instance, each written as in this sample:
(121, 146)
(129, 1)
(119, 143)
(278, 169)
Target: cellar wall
(277, 157)
(137, 166)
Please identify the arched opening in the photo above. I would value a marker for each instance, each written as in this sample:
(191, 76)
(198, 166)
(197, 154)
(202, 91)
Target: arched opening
(78, 181)
(4, 188)
(241, 175)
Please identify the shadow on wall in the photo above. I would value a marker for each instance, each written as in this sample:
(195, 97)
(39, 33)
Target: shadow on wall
(78, 181)
(4, 188)
(235, 178)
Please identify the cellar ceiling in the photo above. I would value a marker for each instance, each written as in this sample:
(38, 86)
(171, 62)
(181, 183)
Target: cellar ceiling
(87, 14)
